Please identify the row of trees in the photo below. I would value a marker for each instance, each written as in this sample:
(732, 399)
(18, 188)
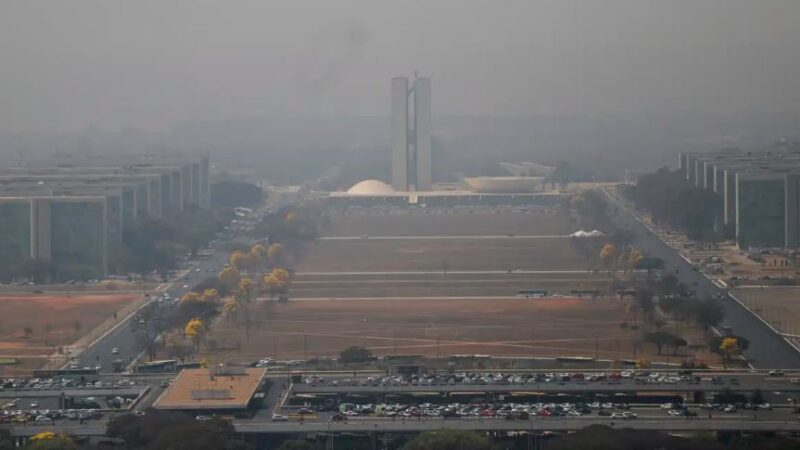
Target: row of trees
(234, 290)
(591, 208)
(626, 258)
(258, 257)
(251, 271)
(595, 437)
(161, 430)
(156, 244)
(671, 199)
(292, 225)
(705, 313)
(668, 294)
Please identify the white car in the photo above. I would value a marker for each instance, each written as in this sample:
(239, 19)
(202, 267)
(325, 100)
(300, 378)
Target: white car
(115, 351)
(674, 413)
(43, 420)
(279, 418)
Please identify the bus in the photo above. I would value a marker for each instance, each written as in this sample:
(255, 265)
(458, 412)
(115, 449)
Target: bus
(167, 365)
(532, 293)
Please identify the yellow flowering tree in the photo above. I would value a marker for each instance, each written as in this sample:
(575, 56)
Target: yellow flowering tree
(245, 291)
(259, 253)
(277, 282)
(607, 255)
(229, 277)
(729, 348)
(634, 257)
(195, 329)
(191, 297)
(210, 295)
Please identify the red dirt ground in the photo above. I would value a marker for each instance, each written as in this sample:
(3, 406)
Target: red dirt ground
(53, 320)
(501, 327)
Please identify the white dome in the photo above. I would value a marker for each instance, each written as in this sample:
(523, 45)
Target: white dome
(371, 187)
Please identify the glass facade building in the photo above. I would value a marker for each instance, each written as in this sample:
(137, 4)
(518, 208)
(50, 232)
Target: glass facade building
(760, 209)
(15, 231)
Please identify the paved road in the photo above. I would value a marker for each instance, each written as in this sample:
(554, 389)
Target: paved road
(445, 237)
(449, 272)
(628, 386)
(129, 342)
(539, 424)
(736, 423)
(767, 349)
(71, 392)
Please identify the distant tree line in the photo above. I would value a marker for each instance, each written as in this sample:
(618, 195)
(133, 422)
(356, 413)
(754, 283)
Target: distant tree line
(671, 199)
(232, 194)
(148, 245)
(156, 244)
(157, 430)
(595, 437)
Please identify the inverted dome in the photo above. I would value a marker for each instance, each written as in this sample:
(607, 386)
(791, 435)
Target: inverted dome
(503, 184)
(371, 187)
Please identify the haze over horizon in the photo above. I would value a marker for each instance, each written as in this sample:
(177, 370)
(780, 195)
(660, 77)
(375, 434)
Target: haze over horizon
(67, 66)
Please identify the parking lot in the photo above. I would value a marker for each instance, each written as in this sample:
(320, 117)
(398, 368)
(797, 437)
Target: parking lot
(522, 396)
(41, 401)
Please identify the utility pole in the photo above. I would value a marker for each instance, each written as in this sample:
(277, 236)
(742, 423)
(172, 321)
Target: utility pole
(596, 348)
(533, 346)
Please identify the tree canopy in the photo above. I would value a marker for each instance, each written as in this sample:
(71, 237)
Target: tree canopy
(163, 430)
(355, 354)
(232, 194)
(671, 199)
(449, 440)
(295, 445)
(665, 339)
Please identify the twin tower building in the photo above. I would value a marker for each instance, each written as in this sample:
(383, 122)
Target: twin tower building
(411, 134)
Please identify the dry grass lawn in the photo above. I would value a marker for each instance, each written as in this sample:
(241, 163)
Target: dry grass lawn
(502, 327)
(52, 321)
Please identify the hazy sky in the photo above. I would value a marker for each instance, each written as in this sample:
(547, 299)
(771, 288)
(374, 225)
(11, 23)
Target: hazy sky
(66, 64)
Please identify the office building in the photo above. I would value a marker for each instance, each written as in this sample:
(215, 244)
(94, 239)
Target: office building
(411, 136)
(74, 214)
(759, 193)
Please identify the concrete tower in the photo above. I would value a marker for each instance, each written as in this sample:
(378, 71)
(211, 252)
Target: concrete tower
(423, 127)
(411, 147)
(400, 133)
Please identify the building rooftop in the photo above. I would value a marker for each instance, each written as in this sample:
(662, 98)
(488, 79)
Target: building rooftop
(212, 389)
